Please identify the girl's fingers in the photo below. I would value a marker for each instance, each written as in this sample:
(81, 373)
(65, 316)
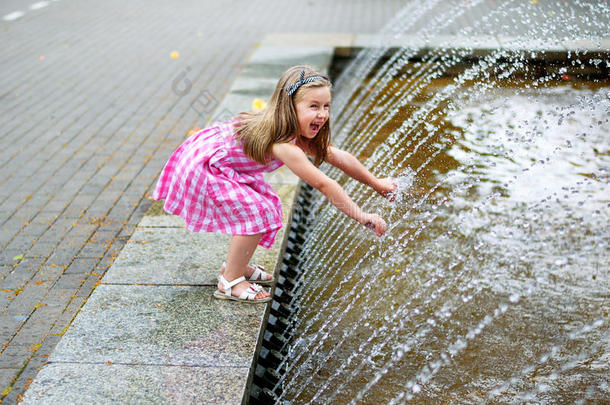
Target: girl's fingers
(382, 228)
(388, 189)
(390, 195)
(379, 226)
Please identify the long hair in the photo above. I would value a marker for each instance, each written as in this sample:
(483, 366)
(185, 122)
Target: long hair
(278, 122)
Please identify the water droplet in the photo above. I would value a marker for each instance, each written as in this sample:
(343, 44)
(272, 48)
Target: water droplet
(561, 261)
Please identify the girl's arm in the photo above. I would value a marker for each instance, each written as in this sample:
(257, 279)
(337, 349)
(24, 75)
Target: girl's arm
(297, 162)
(356, 170)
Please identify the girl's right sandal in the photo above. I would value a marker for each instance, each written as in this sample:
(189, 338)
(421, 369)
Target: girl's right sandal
(247, 296)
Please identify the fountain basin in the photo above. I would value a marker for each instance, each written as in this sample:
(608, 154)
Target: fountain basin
(491, 282)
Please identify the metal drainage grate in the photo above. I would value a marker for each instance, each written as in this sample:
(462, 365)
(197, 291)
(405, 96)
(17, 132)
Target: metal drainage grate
(279, 332)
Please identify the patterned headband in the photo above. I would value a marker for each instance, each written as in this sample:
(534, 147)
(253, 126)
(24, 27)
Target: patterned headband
(291, 89)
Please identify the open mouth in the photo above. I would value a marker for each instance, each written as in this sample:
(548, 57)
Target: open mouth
(314, 127)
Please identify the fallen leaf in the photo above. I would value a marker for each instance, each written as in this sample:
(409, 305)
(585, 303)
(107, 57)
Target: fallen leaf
(258, 105)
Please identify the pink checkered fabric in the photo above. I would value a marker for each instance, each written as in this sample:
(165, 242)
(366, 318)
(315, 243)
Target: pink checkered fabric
(215, 187)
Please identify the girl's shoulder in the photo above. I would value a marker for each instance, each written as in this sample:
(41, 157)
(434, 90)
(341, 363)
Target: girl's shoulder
(291, 144)
(291, 149)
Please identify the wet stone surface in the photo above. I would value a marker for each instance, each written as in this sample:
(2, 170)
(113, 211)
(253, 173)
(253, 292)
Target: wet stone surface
(163, 325)
(117, 383)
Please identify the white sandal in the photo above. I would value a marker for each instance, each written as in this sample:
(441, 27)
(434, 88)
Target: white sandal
(247, 296)
(257, 275)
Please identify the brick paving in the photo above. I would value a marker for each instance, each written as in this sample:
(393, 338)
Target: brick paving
(92, 105)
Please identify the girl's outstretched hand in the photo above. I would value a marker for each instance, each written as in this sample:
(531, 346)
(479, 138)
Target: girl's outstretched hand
(387, 187)
(374, 222)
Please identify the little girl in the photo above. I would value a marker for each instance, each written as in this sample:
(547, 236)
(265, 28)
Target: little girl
(214, 179)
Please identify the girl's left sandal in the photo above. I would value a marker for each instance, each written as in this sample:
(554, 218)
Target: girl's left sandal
(249, 295)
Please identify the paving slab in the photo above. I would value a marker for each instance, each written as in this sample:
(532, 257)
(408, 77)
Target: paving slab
(161, 325)
(252, 87)
(68, 383)
(169, 256)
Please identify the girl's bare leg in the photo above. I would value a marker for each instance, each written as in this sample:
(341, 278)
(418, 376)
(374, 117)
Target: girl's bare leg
(241, 249)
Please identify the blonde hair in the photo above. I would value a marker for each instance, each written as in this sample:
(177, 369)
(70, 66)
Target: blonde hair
(278, 122)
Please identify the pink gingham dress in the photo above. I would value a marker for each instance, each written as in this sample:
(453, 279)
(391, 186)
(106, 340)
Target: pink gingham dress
(211, 183)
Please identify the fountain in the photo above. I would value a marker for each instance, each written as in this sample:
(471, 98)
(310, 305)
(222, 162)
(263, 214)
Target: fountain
(491, 283)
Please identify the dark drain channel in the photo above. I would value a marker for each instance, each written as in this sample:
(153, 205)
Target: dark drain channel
(278, 331)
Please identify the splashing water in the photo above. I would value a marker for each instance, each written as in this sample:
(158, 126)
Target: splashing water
(491, 283)
(404, 182)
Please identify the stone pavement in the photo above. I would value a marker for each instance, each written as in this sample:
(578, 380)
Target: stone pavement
(95, 96)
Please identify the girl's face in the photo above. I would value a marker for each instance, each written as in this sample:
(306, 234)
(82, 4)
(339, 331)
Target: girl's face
(313, 110)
